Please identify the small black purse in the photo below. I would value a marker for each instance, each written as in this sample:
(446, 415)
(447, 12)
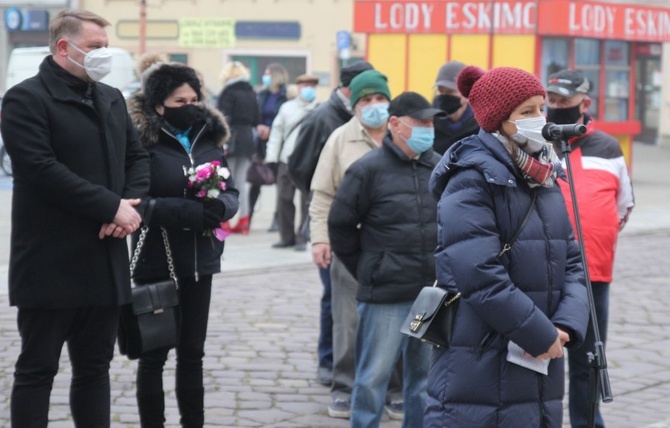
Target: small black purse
(150, 321)
(431, 317)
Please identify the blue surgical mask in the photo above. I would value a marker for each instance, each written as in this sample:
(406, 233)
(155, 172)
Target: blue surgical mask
(375, 115)
(421, 139)
(308, 93)
(267, 80)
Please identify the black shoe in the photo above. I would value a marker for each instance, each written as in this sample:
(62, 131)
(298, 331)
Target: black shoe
(301, 246)
(283, 244)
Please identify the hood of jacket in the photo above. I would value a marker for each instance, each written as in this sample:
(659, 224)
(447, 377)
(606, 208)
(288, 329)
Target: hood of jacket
(148, 123)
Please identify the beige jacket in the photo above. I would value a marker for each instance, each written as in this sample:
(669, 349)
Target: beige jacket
(346, 145)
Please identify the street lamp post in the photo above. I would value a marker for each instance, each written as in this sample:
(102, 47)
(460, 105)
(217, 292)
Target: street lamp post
(143, 26)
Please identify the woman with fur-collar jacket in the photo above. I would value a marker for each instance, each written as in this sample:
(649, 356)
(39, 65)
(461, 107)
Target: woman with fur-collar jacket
(179, 132)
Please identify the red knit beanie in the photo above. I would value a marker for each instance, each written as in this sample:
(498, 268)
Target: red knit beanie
(494, 94)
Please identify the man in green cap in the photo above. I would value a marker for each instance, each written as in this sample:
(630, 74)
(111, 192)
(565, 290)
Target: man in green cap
(370, 97)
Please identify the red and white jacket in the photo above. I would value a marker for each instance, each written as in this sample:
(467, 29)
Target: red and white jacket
(604, 196)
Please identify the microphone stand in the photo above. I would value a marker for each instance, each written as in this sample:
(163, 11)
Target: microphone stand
(598, 375)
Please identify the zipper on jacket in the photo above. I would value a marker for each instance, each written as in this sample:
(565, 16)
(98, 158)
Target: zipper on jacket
(539, 400)
(190, 158)
(419, 202)
(195, 261)
(550, 277)
(485, 343)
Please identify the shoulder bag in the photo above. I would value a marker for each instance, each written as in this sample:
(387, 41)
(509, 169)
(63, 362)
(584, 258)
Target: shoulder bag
(150, 321)
(432, 315)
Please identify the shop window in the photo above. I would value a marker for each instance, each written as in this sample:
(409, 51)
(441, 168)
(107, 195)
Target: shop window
(587, 59)
(295, 65)
(555, 54)
(617, 80)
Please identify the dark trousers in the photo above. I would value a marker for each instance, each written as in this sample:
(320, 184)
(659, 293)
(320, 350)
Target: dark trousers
(286, 208)
(90, 333)
(325, 347)
(578, 361)
(194, 299)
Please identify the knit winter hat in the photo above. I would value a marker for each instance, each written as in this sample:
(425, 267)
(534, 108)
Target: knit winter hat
(161, 79)
(367, 83)
(494, 94)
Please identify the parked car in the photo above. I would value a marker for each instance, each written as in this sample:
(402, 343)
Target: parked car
(5, 162)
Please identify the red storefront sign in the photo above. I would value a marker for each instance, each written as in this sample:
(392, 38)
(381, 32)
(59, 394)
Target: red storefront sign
(440, 17)
(544, 17)
(604, 20)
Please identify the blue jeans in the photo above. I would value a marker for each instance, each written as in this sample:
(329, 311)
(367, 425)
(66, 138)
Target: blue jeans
(379, 344)
(578, 361)
(325, 347)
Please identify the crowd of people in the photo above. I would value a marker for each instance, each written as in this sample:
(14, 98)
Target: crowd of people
(396, 193)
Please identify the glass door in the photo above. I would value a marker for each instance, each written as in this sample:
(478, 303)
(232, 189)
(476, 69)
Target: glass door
(648, 100)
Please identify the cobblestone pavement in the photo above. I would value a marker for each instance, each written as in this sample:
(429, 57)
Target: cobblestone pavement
(260, 363)
(261, 350)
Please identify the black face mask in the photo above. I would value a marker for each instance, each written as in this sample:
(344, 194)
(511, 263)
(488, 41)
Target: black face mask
(564, 116)
(448, 103)
(182, 117)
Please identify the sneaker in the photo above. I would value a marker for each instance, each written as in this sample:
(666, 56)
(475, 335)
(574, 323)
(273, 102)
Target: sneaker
(394, 410)
(339, 408)
(325, 376)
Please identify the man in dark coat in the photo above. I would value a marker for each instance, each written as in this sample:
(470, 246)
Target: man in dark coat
(312, 136)
(383, 228)
(460, 120)
(79, 171)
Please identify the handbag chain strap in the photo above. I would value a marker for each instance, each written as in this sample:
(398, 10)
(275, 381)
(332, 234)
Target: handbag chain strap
(168, 253)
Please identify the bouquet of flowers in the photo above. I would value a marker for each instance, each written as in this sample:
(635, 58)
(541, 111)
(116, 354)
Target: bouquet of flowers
(207, 181)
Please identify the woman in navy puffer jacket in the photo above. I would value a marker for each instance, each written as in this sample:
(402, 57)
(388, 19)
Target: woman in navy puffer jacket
(534, 295)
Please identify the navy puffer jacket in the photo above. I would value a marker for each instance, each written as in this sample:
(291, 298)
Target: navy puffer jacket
(521, 296)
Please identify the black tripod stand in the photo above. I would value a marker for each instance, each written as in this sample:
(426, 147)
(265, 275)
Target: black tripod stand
(599, 380)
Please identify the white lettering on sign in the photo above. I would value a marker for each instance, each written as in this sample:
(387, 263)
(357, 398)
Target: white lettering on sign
(646, 23)
(404, 16)
(481, 16)
(592, 18)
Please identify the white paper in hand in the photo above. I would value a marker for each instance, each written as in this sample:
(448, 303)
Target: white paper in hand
(516, 355)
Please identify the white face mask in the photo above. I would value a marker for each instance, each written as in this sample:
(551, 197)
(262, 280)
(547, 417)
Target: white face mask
(97, 63)
(529, 134)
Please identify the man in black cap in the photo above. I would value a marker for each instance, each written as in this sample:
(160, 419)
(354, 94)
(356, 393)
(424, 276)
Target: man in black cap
(460, 120)
(383, 228)
(598, 170)
(312, 136)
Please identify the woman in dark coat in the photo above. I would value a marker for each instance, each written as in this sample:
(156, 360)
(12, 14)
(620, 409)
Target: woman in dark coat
(179, 133)
(270, 99)
(238, 104)
(531, 299)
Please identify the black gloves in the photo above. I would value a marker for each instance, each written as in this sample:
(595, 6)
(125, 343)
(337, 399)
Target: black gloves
(214, 210)
(274, 166)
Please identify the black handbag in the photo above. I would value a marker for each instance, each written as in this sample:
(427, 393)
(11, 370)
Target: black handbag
(259, 173)
(150, 321)
(431, 318)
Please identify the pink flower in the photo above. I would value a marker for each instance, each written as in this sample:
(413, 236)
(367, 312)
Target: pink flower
(220, 234)
(201, 193)
(222, 185)
(203, 174)
(216, 163)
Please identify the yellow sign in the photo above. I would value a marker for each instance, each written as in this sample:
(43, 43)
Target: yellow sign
(206, 32)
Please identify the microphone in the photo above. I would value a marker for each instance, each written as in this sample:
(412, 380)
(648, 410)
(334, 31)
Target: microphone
(553, 132)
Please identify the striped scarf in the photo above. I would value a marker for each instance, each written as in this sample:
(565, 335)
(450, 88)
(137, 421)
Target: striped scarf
(538, 169)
